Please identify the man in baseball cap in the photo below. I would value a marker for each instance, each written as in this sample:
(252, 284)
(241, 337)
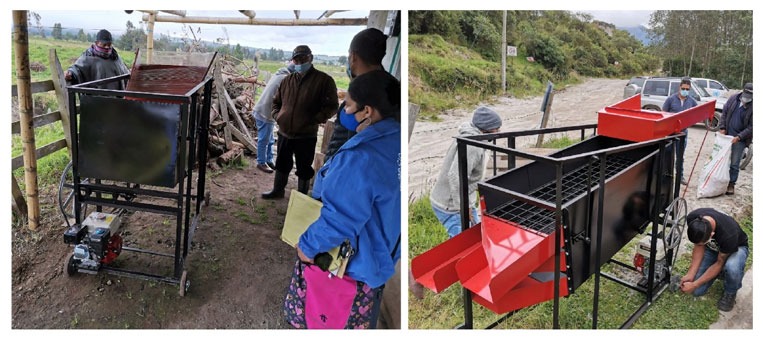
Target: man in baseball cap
(736, 121)
(305, 99)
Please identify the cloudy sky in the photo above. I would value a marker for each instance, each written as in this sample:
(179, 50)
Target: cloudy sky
(331, 40)
(622, 18)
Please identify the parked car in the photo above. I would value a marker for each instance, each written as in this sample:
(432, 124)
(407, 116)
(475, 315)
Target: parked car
(714, 87)
(634, 86)
(654, 92)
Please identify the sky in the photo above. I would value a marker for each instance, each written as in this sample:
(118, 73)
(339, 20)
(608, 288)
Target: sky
(623, 18)
(329, 40)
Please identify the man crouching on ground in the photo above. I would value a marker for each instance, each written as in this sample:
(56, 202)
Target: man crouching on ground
(720, 250)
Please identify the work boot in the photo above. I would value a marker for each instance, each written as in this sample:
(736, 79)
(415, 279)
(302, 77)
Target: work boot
(730, 189)
(265, 168)
(727, 301)
(303, 185)
(279, 184)
(271, 165)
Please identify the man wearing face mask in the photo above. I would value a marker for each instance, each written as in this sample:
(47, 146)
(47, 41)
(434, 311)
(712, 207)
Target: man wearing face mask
(675, 103)
(100, 61)
(305, 99)
(736, 121)
(367, 50)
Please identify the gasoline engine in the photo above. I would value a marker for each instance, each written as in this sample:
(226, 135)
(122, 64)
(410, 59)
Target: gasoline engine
(641, 260)
(96, 242)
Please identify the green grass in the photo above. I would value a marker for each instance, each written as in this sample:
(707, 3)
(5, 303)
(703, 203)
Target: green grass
(446, 76)
(561, 142)
(672, 310)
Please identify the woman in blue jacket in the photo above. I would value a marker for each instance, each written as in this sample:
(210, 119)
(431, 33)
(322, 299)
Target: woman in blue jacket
(360, 191)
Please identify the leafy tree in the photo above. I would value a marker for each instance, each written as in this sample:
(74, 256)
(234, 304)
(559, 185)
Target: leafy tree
(342, 60)
(57, 31)
(132, 39)
(81, 35)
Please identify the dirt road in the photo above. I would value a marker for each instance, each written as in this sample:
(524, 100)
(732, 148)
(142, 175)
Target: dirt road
(577, 105)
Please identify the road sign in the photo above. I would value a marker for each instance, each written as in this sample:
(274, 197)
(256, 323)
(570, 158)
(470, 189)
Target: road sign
(511, 50)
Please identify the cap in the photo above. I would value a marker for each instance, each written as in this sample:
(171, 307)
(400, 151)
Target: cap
(486, 119)
(746, 93)
(301, 50)
(103, 36)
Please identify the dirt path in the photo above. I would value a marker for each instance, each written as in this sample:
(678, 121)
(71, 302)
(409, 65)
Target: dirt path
(577, 105)
(238, 268)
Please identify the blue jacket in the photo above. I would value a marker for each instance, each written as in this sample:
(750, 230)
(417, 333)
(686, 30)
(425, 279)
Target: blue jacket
(673, 104)
(360, 190)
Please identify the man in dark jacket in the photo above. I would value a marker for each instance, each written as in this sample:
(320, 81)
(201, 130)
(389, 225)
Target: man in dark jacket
(305, 99)
(100, 61)
(367, 50)
(736, 121)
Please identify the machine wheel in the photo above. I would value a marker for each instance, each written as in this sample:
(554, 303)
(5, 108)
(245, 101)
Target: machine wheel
(713, 124)
(746, 157)
(674, 223)
(70, 266)
(184, 283)
(66, 194)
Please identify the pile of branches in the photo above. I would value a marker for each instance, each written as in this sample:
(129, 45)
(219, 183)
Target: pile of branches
(232, 130)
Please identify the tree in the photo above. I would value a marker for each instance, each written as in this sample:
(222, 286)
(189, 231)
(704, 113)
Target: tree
(342, 60)
(81, 35)
(57, 31)
(132, 39)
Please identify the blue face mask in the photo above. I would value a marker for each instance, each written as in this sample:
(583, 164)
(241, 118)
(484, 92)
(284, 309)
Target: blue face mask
(685, 92)
(302, 68)
(348, 120)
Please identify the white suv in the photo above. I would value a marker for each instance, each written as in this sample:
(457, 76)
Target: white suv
(655, 91)
(714, 87)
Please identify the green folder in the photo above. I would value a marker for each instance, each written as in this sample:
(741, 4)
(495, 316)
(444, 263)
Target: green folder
(300, 214)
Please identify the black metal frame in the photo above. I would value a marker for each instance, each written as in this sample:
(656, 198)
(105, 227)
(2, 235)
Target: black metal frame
(194, 121)
(489, 142)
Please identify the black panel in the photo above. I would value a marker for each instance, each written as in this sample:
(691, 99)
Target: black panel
(128, 140)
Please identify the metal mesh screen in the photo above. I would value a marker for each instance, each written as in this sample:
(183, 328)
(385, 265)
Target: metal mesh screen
(574, 183)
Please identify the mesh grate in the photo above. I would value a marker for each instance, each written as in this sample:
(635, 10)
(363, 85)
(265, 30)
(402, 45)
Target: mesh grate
(574, 184)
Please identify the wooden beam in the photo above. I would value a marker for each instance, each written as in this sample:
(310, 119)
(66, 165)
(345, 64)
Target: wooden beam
(178, 13)
(41, 152)
(62, 96)
(37, 87)
(234, 111)
(240, 136)
(250, 14)
(413, 114)
(18, 197)
(150, 37)
(261, 22)
(38, 121)
(26, 113)
(219, 85)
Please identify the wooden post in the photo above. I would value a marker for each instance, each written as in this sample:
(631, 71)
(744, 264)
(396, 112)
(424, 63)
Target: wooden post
(221, 102)
(18, 197)
(503, 55)
(413, 113)
(26, 112)
(150, 37)
(546, 108)
(59, 83)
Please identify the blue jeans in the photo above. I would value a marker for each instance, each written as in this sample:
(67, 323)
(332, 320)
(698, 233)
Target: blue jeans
(737, 150)
(680, 149)
(452, 220)
(265, 141)
(734, 270)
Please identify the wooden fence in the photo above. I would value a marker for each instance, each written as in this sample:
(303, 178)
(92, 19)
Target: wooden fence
(58, 85)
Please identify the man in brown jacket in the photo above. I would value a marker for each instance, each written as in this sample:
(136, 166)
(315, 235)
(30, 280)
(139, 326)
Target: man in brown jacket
(305, 99)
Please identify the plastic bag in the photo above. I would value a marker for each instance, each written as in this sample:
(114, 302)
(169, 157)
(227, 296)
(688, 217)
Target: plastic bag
(714, 178)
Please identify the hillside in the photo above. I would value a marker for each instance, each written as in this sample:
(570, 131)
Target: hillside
(455, 58)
